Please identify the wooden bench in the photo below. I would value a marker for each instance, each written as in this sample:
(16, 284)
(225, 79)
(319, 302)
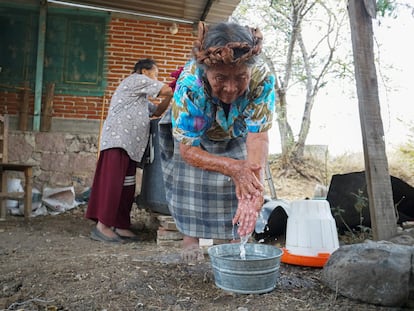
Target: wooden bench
(26, 195)
(6, 167)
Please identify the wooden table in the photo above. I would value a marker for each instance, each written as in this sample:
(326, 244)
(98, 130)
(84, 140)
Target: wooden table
(26, 195)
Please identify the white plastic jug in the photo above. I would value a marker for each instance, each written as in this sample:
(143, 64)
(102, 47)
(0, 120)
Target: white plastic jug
(311, 228)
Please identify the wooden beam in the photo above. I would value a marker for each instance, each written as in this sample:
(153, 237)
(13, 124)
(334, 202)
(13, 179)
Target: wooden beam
(381, 205)
(24, 108)
(47, 111)
(206, 10)
(41, 40)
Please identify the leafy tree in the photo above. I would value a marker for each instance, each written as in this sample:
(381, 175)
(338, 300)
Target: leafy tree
(385, 7)
(307, 46)
(302, 40)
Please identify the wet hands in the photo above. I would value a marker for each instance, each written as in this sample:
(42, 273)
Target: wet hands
(249, 192)
(247, 213)
(244, 175)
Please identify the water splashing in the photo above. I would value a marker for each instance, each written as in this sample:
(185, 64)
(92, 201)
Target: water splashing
(261, 223)
(234, 232)
(243, 241)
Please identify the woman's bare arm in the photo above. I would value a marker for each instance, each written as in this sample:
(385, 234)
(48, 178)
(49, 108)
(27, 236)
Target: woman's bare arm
(257, 145)
(167, 92)
(243, 172)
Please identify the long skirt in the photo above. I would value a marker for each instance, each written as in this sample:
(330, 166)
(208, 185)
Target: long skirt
(202, 203)
(113, 189)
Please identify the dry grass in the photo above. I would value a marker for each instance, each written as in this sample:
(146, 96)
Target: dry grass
(292, 184)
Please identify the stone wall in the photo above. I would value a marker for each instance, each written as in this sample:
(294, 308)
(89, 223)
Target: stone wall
(59, 159)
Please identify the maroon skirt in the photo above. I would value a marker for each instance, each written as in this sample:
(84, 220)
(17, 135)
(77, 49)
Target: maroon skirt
(113, 189)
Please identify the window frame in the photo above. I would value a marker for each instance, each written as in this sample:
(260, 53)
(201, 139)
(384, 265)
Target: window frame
(89, 30)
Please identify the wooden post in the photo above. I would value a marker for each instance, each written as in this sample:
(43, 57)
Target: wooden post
(24, 108)
(269, 179)
(46, 120)
(28, 175)
(40, 59)
(381, 205)
(100, 125)
(3, 188)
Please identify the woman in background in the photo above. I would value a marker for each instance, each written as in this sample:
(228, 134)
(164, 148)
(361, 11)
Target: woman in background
(122, 145)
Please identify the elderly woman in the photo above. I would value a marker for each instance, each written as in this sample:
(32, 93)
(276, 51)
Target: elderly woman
(221, 111)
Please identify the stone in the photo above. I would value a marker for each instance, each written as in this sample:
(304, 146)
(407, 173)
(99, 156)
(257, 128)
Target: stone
(167, 222)
(402, 239)
(373, 272)
(163, 234)
(168, 225)
(169, 243)
(50, 142)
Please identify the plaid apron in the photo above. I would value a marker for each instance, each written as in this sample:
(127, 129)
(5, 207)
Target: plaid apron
(201, 202)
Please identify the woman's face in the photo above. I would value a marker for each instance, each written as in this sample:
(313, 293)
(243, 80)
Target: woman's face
(151, 73)
(228, 82)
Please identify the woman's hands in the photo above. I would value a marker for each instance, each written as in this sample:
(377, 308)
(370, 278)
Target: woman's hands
(246, 214)
(244, 175)
(249, 191)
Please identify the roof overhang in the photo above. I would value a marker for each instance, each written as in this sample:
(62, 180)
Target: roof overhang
(179, 11)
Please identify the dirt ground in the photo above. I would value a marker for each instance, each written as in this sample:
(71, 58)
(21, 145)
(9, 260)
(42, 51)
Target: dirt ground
(50, 263)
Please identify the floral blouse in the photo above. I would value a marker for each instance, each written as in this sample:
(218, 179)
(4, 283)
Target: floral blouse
(128, 121)
(195, 112)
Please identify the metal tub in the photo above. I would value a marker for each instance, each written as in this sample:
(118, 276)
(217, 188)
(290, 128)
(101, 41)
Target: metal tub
(256, 274)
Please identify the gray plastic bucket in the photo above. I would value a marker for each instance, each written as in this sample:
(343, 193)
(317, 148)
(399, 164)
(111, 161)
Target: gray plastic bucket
(256, 274)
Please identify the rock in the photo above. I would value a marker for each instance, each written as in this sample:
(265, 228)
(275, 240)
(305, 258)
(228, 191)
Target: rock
(402, 239)
(163, 234)
(372, 272)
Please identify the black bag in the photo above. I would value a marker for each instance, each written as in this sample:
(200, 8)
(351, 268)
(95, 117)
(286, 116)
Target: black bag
(148, 156)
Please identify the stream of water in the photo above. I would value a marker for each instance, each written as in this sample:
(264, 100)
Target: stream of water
(243, 241)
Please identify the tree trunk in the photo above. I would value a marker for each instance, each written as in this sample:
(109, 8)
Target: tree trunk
(286, 135)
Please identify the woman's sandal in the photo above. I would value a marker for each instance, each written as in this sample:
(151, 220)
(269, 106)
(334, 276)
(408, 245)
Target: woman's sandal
(127, 238)
(99, 236)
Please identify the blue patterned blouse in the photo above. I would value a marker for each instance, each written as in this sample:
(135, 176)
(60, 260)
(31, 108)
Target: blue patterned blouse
(195, 113)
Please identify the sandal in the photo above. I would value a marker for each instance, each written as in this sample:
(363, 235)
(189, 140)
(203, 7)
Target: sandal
(99, 236)
(127, 238)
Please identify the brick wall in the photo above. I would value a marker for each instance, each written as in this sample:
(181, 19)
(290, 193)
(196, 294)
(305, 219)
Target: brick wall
(63, 158)
(127, 41)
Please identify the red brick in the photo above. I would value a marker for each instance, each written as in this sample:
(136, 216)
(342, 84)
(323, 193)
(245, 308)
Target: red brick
(127, 41)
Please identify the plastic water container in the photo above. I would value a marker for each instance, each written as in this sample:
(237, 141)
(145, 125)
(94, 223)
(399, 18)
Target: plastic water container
(311, 233)
(13, 185)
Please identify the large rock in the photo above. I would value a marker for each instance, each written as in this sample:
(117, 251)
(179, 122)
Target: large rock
(373, 272)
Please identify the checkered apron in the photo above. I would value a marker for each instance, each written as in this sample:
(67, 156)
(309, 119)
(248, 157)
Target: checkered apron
(201, 202)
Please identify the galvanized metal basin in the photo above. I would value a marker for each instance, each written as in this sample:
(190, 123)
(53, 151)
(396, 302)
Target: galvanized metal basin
(256, 274)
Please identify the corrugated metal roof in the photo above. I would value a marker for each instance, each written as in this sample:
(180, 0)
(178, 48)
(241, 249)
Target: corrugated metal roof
(184, 11)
